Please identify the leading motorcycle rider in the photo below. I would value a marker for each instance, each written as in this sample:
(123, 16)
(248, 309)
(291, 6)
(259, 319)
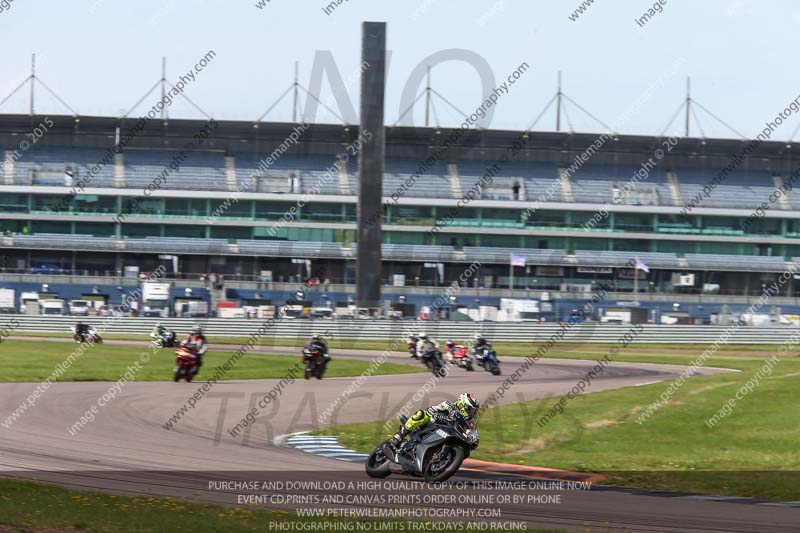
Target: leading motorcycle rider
(318, 343)
(465, 409)
(425, 344)
(198, 340)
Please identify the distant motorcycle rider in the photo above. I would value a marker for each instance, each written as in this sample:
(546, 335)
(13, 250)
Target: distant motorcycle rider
(425, 344)
(318, 343)
(464, 409)
(412, 346)
(82, 331)
(479, 346)
(197, 340)
(158, 331)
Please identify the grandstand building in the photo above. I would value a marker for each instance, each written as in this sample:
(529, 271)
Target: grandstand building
(255, 197)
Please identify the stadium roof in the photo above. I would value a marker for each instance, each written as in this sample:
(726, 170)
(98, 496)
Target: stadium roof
(244, 136)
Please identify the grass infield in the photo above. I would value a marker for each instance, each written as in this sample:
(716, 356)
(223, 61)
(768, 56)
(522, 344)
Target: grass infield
(30, 361)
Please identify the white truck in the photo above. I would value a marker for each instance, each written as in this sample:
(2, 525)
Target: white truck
(155, 299)
(53, 306)
(7, 300)
(193, 309)
(79, 307)
(516, 310)
(29, 303)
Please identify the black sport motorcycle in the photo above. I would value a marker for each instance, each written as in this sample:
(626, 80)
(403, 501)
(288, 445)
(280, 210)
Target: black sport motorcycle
(434, 452)
(435, 362)
(314, 363)
(489, 361)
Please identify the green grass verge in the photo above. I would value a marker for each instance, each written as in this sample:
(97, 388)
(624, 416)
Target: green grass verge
(29, 361)
(30, 507)
(751, 452)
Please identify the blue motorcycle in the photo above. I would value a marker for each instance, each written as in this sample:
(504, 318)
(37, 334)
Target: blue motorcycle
(488, 360)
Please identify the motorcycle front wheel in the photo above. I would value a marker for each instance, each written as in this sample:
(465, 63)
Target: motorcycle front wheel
(377, 464)
(441, 468)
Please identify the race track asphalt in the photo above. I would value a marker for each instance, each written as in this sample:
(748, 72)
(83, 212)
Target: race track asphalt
(127, 449)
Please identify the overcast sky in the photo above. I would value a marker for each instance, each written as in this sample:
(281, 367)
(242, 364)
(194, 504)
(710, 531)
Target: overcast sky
(101, 56)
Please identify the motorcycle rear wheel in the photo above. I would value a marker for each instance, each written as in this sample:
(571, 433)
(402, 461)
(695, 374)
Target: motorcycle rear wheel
(377, 464)
(457, 456)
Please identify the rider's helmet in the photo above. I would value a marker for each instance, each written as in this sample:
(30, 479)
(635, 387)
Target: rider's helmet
(316, 337)
(158, 325)
(197, 330)
(422, 335)
(449, 343)
(468, 405)
(479, 339)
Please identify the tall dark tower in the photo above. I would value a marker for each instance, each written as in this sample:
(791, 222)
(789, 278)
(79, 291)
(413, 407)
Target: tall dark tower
(370, 165)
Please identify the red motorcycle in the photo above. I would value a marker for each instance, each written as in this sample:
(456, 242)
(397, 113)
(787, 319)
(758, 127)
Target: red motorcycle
(186, 366)
(411, 345)
(461, 357)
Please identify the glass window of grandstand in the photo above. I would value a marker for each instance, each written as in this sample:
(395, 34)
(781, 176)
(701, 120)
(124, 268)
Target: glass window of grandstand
(178, 207)
(502, 241)
(273, 210)
(721, 225)
(762, 226)
(630, 245)
(793, 228)
(295, 234)
(588, 244)
(141, 230)
(45, 226)
(195, 232)
(231, 233)
(678, 224)
(727, 248)
(456, 241)
(546, 219)
(464, 216)
(322, 212)
(96, 229)
(13, 226)
(500, 217)
(243, 209)
(590, 220)
(405, 237)
(88, 203)
(49, 203)
(411, 215)
(633, 222)
(138, 206)
(350, 211)
(186, 207)
(13, 203)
